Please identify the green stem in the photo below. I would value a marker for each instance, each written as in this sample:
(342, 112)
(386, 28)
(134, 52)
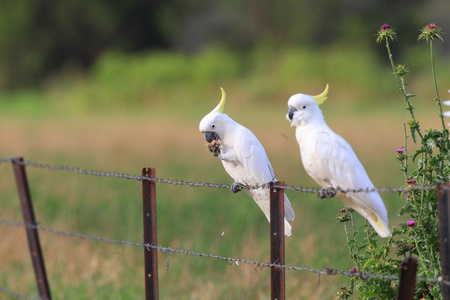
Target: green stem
(420, 225)
(419, 208)
(354, 229)
(358, 263)
(405, 161)
(402, 87)
(348, 240)
(369, 244)
(438, 99)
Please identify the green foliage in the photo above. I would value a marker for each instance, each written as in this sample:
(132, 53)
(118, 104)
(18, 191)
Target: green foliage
(153, 80)
(120, 80)
(163, 69)
(40, 39)
(126, 80)
(43, 39)
(419, 236)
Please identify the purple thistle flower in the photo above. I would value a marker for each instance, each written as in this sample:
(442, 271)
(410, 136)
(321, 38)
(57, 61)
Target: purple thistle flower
(431, 26)
(352, 270)
(386, 33)
(400, 150)
(410, 223)
(430, 32)
(385, 26)
(342, 211)
(411, 181)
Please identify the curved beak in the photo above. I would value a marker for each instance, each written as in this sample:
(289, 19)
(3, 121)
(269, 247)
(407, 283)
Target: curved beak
(210, 136)
(290, 113)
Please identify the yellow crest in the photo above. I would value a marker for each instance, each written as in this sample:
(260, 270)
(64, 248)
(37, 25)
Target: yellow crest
(322, 97)
(221, 107)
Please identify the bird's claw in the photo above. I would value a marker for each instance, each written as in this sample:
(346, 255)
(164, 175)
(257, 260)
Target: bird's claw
(327, 193)
(237, 187)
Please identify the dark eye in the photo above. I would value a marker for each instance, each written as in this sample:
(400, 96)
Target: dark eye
(304, 106)
(213, 126)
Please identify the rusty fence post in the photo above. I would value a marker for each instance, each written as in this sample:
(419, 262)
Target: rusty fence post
(150, 235)
(444, 234)
(32, 233)
(408, 273)
(277, 249)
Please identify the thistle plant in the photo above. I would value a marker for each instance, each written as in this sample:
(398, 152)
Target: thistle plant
(419, 236)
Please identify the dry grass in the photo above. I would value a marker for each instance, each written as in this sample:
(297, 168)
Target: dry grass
(128, 144)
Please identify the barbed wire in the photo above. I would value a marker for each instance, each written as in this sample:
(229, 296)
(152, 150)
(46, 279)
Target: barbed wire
(113, 174)
(21, 295)
(230, 260)
(236, 260)
(326, 191)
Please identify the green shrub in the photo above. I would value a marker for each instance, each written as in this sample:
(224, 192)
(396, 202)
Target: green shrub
(419, 236)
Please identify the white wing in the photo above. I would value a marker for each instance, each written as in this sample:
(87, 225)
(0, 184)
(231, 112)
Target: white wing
(258, 169)
(330, 161)
(251, 154)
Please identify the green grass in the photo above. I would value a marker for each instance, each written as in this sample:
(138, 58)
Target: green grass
(188, 218)
(136, 112)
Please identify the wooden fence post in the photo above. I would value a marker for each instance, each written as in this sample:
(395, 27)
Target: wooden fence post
(277, 248)
(444, 234)
(32, 233)
(150, 235)
(407, 279)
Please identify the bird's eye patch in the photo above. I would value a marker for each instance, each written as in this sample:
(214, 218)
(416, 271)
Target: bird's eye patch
(304, 106)
(213, 126)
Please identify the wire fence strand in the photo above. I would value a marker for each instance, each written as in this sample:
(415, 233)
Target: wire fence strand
(230, 260)
(236, 260)
(329, 190)
(20, 295)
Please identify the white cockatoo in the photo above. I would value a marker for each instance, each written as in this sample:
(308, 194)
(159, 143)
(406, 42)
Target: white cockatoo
(331, 162)
(243, 157)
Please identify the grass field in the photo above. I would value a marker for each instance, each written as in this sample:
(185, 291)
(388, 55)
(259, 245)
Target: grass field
(164, 134)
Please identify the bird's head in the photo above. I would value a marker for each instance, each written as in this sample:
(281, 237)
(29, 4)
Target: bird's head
(213, 124)
(303, 108)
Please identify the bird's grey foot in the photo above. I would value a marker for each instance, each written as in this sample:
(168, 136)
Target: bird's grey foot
(237, 187)
(327, 193)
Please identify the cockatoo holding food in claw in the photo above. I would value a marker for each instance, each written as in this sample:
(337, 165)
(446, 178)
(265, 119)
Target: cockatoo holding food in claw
(331, 162)
(243, 157)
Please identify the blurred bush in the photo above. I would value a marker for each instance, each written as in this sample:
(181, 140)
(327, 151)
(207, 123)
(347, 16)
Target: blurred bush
(155, 78)
(41, 39)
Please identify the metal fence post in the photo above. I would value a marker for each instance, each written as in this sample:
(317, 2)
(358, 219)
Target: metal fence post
(407, 279)
(32, 233)
(277, 249)
(444, 234)
(150, 235)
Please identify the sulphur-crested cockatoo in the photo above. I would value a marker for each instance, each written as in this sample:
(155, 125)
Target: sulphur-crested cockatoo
(331, 162)
(243, 157)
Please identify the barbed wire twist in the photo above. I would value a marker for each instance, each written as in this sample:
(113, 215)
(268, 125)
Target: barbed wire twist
(230, 260)
(21, 295)
(329, 190)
